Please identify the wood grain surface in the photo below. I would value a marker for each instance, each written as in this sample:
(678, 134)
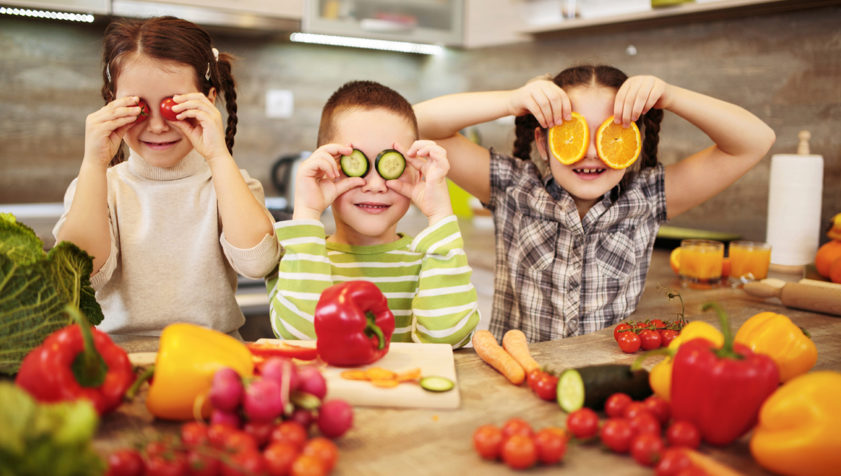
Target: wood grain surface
(387, 441)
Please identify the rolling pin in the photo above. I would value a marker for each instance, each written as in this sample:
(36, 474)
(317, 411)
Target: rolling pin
(808, 294)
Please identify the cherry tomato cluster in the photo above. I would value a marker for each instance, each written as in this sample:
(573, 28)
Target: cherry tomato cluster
(217, 449)
(636, 427)
(633, 336)
(518, 445)
(544, 384)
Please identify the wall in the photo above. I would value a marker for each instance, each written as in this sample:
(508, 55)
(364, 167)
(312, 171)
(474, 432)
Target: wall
(786, 68)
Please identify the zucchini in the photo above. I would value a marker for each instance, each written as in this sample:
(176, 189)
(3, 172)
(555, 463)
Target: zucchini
(592, 385)
(436, 384)
(390, 164)
(355, 164)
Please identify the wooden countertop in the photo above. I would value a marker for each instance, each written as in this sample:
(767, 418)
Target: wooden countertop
(407, 441)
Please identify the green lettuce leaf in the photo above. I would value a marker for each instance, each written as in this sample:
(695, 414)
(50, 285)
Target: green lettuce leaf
(35, 286)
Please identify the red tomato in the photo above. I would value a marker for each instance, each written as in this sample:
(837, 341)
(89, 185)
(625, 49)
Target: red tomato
(144, 112)
(194, 433)
(200, 463)
(171, 464)
(616, 434)
(487, 439)
(516, 426)
(650, 339)
(646, 448)
(218, 433)
(544, 384)
(519, 451)
(238, 441)
(657, 324)
(290, 432)
(583, 423)
(307, 465)
(322, 449)
(672, 462)
(166, 109)
(279, 458)
(683, 433)
(667, 336)
(644, 423)
(245, 463)
(261, 431)
(615, 405)
(659, 407)
(622, 328)
(635, 408)
(125, 462)
(551, 445)
(629, 342)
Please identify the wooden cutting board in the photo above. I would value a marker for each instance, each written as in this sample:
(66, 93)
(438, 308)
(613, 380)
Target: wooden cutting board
(432, 359)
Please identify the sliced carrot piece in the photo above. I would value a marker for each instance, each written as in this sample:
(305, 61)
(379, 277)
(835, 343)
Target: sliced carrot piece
(409, 375)
(354, 375)
(385, 383)
(379, 373)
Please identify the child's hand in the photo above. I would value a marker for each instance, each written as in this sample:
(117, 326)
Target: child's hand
(204, 129)
(636, 96)
(547, 102)
(105, 128)
(319, 181)
(429, 189)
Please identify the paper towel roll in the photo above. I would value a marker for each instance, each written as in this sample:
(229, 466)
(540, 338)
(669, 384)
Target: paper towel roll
(794, 208)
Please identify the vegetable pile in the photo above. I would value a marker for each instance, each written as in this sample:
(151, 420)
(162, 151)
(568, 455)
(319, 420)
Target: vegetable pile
(35, 287)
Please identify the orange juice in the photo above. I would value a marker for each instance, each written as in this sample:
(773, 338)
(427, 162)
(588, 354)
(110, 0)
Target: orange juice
(700, 261)
(749, 260)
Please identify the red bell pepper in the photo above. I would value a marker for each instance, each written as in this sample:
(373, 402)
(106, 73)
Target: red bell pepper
(76, 362)
(282, 349)
(353, 324)
(720, 390)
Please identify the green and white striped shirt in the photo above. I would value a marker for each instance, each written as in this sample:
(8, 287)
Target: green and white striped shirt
(426, 281)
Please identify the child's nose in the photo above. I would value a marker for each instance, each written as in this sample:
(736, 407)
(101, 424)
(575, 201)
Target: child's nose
(374, 183)
(157, 123)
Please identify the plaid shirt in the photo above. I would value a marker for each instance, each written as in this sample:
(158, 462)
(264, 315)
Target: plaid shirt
(558, 275)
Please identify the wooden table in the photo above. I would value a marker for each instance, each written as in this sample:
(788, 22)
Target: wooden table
(432, 442)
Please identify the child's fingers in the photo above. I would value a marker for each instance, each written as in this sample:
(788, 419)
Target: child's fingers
(401, 187)
(344, 184)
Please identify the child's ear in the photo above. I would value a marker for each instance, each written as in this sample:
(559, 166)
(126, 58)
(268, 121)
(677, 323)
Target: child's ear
(211, 95)
(540, 140)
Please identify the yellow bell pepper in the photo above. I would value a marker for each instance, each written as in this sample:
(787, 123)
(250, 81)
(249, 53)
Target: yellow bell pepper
(782, 340)
(188, 357)
(799, 429)
(660, 377)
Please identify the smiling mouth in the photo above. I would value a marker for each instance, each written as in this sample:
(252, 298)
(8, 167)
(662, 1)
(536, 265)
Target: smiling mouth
(159, 144)
(372, 206)
(589, 171)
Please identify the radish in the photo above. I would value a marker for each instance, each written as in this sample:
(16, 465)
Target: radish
(226, 418)
(263, 400)
(277, 368)
(335, 417)
(226, 390)
(312, 382)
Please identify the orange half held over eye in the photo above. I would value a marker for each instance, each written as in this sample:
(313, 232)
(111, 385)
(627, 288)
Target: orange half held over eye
(569, 140)
(618, 146)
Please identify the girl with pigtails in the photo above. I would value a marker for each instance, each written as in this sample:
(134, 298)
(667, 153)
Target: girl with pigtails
(574, 240)
(170, 221)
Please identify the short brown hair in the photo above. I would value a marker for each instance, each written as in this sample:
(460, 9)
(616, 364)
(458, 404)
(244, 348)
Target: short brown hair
(363, 95)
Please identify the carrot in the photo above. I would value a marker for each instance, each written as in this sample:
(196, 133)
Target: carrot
(514, 341)
(485, 344)
(709, 465)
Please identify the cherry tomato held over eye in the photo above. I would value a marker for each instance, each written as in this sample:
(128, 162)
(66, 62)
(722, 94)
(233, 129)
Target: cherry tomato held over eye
(144, 112)
(166, 109)
(650, 340)
(629, 342)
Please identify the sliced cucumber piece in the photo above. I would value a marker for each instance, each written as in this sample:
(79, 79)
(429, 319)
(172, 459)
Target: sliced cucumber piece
(570, 391)
(355, 164)
(390, 164)
(592, 385)
(436, 384)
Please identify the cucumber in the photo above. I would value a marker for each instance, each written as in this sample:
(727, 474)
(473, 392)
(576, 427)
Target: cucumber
(355, 164)
(390, 164)
(436, 384)
(592, 385)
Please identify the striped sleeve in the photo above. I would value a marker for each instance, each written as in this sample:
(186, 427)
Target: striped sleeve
(445, 307)
(303, 272)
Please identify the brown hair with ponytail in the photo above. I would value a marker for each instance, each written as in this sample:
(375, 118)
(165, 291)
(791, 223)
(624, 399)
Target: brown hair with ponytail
(172, 39)
(595, 75)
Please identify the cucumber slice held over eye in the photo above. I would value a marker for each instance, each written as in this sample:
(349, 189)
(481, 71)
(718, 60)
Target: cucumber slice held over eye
(355, 164)
(390, 164)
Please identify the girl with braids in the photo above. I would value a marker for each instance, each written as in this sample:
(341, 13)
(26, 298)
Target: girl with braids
(170, 225)
(574, 242)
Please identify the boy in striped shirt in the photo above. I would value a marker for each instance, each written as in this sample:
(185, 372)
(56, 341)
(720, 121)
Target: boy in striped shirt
(426, 279)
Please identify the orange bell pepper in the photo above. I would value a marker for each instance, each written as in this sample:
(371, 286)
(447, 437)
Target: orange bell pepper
(799, 429)
(660, 377)
(188, 357)
(782, 340)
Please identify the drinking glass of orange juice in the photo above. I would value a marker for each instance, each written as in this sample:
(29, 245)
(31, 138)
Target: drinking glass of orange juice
(700, 262)
(749, 260)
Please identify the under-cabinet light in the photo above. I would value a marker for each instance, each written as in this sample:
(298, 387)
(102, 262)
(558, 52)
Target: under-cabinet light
(400, 46)
(47, 14)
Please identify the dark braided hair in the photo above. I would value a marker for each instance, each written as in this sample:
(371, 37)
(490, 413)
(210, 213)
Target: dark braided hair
(595, 75)
(173, 39)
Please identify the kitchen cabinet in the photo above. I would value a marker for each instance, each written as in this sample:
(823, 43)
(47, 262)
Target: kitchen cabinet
(259, 15)
(676, 14)
(463, 23)
(78, 6)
